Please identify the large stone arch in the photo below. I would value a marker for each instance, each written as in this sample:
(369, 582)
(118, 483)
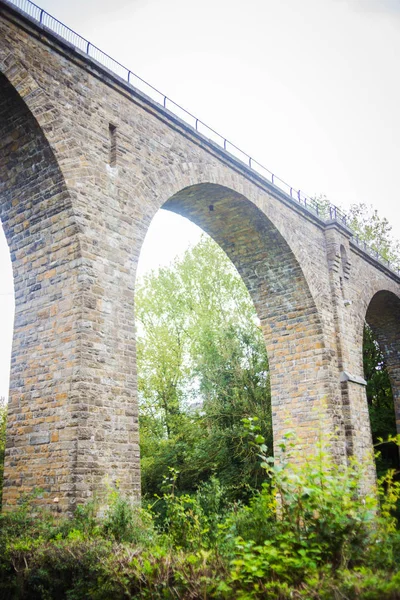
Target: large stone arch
(37, 217)
(304, 386)
(155, 189)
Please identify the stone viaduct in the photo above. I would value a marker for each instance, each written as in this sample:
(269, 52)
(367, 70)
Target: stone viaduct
(86, 160)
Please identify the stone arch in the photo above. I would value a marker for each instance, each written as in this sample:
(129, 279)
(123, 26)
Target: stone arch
(383, 316)
(301, 393)
(42, 107)
(38, 221)
(155, 189)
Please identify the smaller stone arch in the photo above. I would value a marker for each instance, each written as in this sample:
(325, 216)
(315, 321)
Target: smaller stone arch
(383, 317)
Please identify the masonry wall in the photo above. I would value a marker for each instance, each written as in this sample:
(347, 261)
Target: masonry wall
(38, 221)
(118, 159)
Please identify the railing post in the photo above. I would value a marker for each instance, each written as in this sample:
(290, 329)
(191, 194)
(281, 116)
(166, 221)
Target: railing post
(87, 48)
(41, 16)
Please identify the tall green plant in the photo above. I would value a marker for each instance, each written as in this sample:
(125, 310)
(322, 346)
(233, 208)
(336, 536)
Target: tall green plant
(308, 534)
(321, 529)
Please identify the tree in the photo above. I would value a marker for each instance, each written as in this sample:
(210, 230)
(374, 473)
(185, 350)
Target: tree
(202, 368)
(368, 226)
(375, 230)
(379, 391)
(380, 402)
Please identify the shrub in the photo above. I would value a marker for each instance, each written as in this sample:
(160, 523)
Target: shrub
(308, 534)
(126, 521)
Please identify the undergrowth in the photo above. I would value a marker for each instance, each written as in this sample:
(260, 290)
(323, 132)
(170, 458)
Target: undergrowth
(308, 534)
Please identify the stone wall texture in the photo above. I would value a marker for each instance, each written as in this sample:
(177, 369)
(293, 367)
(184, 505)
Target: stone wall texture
(85, 163)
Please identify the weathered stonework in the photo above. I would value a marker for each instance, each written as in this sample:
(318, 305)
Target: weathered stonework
(85, 163)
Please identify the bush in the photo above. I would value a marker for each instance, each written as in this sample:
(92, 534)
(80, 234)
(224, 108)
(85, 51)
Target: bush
(308, 534)
(125, 521)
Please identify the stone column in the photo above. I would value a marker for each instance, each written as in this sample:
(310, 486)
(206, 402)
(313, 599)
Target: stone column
(349, 350)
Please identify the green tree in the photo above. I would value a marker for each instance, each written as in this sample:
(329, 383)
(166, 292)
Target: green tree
(368, 226)
(162, 350)
(379, 391)
(375, 230)
(202, 367)
(380, 402)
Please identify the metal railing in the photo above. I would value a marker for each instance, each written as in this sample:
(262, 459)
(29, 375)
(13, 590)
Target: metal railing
(362, 244)
(326, 212)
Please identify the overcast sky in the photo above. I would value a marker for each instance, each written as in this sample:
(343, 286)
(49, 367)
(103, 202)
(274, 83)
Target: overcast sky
(310, 89)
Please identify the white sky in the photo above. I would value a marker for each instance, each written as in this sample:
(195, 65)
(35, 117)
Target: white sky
(310, 89)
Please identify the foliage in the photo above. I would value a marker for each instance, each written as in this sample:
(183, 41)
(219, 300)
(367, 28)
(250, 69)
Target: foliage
(380, 403)
(125, 521)
(379, 391)
(323, 206)
(202, 367)
(307, 534)
(375, 230)
(325, 531)
(369, 227)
